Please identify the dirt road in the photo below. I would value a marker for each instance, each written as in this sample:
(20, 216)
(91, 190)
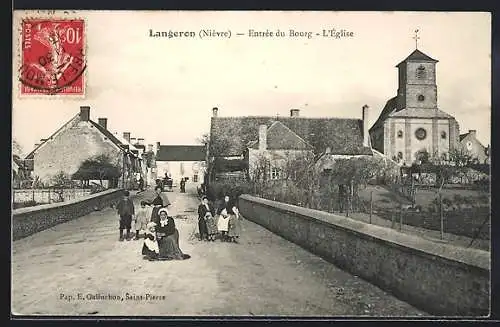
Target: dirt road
(80, 268)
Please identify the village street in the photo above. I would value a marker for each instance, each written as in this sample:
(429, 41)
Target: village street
(262, 275)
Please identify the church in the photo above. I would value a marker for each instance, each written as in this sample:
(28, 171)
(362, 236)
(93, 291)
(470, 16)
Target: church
(411, 125)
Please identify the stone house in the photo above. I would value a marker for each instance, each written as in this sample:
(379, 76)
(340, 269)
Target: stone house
(470, 144)
(77, 140)
(180, 161)
(242, 139)
(411, 124)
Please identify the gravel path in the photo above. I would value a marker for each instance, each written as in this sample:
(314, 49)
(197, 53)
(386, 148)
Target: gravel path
(262, 275)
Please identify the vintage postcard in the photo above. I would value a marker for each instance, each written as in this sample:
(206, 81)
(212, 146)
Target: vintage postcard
(251, 164)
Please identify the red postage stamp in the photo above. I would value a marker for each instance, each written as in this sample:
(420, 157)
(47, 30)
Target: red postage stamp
(53, 57)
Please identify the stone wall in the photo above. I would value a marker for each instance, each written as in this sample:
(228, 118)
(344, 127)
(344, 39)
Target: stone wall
(30, 220)
(438, 278)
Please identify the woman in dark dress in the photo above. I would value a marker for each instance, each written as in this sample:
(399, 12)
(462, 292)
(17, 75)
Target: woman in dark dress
(206, 220)
(168, 238)
(160, 201)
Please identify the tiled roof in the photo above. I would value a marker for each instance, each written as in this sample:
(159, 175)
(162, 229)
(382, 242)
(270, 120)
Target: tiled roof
(280, 137)
(108, 134)
(181, 153)
(229, 136)
(418, 55)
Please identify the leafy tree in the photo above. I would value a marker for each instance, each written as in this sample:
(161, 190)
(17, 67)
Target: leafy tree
(16, 148)
(99, 167)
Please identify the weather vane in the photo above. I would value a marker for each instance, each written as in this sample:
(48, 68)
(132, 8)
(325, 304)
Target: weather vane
(416, 38)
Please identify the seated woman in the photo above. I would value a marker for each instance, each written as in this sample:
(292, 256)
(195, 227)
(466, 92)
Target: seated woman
(168, 238)
(150, 249)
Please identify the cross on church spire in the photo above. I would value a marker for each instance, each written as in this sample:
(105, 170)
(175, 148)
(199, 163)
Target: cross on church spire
(416, 38)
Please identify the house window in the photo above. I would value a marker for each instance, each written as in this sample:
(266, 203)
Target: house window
(420, 98)
(400, 155)
(275, 173)
(443, 135)
(421, 73)
(195, 178)
(400, 134)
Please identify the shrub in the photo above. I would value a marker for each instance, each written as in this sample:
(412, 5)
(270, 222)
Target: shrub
(217, 190)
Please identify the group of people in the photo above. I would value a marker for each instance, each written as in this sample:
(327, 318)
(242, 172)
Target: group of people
(161, 237)
(225, 221)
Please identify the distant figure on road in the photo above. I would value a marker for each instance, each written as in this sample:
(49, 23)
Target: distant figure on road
(206, 221)
(142, 218)
(150, 248)
(160, 201)
(183, 185)
(168, 238)
(126, 212)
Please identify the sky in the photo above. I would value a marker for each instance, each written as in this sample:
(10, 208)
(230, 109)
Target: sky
(163, 90)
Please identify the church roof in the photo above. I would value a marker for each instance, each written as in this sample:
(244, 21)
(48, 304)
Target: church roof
(389, 107)
(420, 113)
(418, 55)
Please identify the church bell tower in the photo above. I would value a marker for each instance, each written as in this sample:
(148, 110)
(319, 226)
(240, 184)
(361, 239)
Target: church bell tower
(417, 81)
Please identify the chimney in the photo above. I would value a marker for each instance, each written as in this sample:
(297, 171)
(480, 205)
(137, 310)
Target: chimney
(366, 118)
(157, 147)
(294, 112)
(37, 145)
(262, 137)
(85, 113)
(472, 132)
(140, 141)
(150, 147)
(133, 140)
(215, 110)
(126, 136)
(103, 122)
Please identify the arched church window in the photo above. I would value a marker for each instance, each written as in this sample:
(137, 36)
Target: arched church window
(421, 73)
(443, 135)
(420, 98)
(400, 134)
(421, 134)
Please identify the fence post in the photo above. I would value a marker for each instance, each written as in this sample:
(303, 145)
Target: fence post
(400, 217)
(441, 215)
(371, 206)
(33, 195)
(49, 197)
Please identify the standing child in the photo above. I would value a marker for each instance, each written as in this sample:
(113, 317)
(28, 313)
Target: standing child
(142, 218)
(126, 212)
